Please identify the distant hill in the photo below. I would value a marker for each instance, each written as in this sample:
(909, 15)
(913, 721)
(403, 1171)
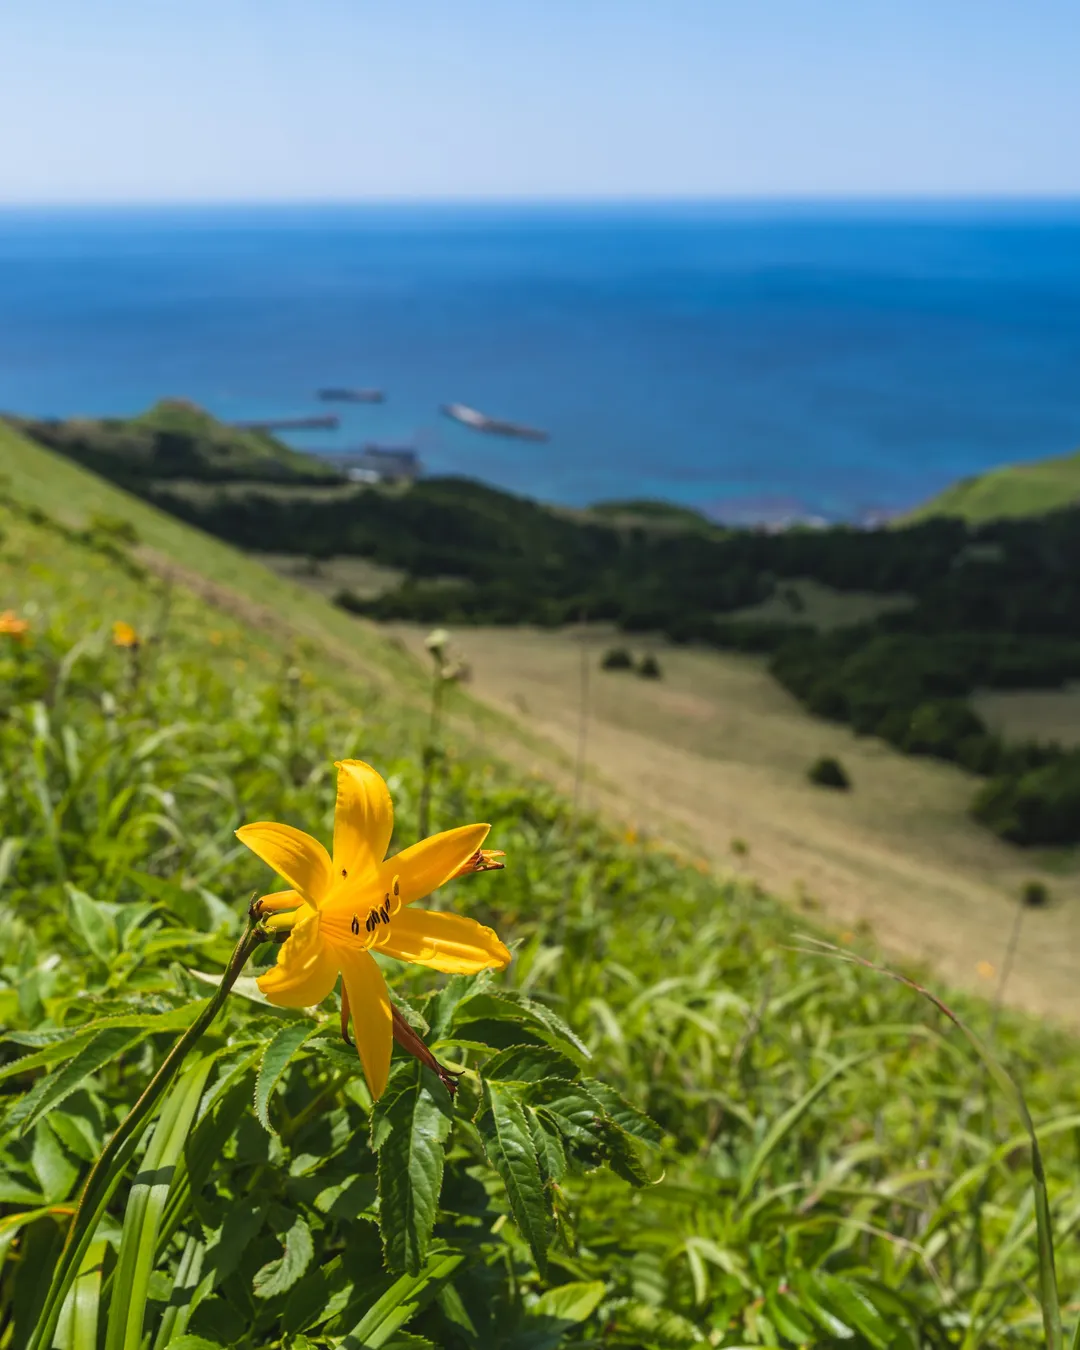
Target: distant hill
(1014, 490)
(175, 439)
(654, 514)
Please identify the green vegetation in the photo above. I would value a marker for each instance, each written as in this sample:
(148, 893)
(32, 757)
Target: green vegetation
(827, 1165)
(893, 632)
(649, 667)
(1014, 490)
(617, 658)
(828, 772)
(175, 439)
(643, 511)
(1035, 894)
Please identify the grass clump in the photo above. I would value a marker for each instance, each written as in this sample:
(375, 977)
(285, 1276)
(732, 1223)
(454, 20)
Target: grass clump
(821, 1162)
(1035, 894)
(828, 772)
(649, 667)
(617, 658)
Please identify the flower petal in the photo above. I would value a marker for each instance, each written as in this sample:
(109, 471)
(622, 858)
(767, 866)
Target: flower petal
(294, 855)
(363, 820)
(279, 900)
(423, 867)
(448, 942)
(372, 1017)
(306, 968)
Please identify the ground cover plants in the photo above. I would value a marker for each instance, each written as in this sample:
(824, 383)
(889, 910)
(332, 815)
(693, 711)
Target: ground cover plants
(674, 1124)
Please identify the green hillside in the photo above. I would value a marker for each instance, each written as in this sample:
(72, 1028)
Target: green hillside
(1013, 490)
(673, 1126)
(75, 496)
(176, 439)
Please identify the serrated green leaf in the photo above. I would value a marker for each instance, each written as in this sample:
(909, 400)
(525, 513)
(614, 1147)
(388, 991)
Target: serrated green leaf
(627, 1117)
(409, 1128)
(509, 1146)
(550, 1153)
(276, 1277)
(620, 1153)
(275, 1061)
(529, 1064)
(575, 1112)
(64, 1044)
(51, 1091)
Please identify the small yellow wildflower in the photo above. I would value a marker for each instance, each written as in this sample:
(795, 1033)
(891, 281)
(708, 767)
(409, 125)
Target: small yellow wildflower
(13, 627)
(123, 635)
(986, 969)
(341, 907)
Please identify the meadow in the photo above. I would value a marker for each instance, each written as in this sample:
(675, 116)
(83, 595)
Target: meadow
(715, 755)
(678, 1123)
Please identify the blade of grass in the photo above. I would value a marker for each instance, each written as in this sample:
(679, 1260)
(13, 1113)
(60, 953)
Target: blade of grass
(1048, 1291)
(86, 1297)
(791, 1117)
(145, 1206)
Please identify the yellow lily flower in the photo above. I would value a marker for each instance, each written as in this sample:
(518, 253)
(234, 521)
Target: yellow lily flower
(13, 627)
(340, 907)
(123, 635)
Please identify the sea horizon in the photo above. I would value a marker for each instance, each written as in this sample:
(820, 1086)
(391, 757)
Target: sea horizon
(754, 358)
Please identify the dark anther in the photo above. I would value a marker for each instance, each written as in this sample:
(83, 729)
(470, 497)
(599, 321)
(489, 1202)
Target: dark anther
(344, 873)
(397, 885)
(355, 925)
(384, 914)
(371, 922)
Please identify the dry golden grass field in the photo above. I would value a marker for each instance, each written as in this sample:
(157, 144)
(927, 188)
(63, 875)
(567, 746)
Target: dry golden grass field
(716, 753)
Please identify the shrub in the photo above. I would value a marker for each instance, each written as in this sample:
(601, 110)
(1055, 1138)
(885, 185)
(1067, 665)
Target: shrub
(939, 726)
(1035, 894)
(1037, 806)
(649, 668)
(828, 772)
(616, 658)
(115, 528)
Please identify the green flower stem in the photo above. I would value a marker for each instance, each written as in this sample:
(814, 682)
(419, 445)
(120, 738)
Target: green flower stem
(106, 1173)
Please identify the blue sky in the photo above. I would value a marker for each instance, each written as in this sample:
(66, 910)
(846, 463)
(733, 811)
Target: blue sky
(177, 100)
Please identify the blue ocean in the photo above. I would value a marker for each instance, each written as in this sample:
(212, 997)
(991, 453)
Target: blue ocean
(754, 361)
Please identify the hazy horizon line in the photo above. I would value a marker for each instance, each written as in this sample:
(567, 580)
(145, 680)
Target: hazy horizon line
(826, 197)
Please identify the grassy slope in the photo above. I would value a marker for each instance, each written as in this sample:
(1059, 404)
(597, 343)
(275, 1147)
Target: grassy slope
(246, 587)
(74, 495)
(688, 992)
(1013, 490)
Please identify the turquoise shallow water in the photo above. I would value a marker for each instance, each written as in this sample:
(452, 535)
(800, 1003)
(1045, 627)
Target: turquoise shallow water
(753, 361)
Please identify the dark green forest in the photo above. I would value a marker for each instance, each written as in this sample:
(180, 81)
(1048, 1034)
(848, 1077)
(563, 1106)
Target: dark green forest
(990, 606)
